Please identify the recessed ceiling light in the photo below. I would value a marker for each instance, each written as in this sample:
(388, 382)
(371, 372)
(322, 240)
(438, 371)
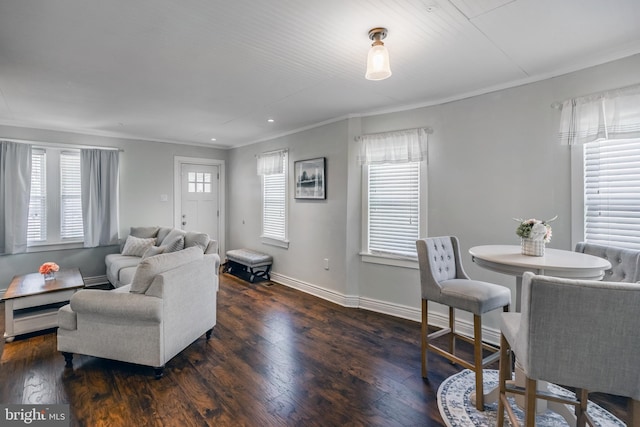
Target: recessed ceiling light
(270, 120)
(213, 139)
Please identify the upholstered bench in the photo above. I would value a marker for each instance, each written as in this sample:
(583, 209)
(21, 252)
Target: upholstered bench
(249, 260)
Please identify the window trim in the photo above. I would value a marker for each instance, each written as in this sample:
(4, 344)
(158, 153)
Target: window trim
(390, 259)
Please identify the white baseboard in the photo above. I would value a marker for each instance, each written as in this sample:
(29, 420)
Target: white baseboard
(315, 290)
(464, 327)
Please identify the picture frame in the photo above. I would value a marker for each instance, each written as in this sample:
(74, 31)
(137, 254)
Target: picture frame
(310, 179)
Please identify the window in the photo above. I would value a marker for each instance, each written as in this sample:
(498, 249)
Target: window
(611, 192)
(37, 223)
(274, 203)
(394, 167)
(393, 209)
(55, 208)
(199, 182)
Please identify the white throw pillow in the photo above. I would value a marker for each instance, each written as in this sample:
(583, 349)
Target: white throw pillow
(136, 246)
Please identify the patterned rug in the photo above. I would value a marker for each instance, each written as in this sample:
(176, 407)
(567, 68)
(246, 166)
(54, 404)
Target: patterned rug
(458, 411)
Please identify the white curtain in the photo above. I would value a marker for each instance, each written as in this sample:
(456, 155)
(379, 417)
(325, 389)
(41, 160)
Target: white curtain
(99, 181)
(270, 163)
(393, 147)
(609, 115)
(15, 190)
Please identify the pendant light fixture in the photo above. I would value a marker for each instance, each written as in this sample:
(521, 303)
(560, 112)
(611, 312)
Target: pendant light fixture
(378, 67)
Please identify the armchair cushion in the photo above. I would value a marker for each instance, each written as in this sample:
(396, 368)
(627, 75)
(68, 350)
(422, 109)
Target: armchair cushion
(119, 305)
(152, 266)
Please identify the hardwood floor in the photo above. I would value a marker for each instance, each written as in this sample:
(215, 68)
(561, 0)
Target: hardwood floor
(277, 357)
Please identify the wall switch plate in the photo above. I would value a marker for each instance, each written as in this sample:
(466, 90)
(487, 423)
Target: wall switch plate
(326, 263)
(164, 198)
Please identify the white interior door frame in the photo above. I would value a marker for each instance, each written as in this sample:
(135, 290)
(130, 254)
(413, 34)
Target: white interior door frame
(178, 161)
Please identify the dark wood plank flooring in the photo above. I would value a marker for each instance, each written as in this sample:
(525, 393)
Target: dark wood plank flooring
(277, 357)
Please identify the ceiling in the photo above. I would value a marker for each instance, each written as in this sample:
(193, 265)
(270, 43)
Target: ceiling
(191, 70)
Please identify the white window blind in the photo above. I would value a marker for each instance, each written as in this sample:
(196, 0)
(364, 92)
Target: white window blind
(612, 192)
(274, 203)
(70, 193)
(394, 202)
(37, 223)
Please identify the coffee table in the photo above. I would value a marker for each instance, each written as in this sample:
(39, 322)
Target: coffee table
(31, 303)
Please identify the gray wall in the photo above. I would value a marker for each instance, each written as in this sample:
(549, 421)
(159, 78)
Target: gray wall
(146, 172)
(491, 158)
(316, 227)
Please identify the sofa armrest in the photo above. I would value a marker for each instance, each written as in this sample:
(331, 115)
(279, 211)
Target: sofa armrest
(122, 305)
(215, 260)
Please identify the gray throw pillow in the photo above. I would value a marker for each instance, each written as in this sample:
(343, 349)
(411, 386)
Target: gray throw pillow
(144, 232)
(152, 251)
(162, 233)
(136, 246)
(152, 266)
(174, 241)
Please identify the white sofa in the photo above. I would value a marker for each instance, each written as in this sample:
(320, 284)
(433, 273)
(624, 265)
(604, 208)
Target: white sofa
(170, 303)
(147, 241)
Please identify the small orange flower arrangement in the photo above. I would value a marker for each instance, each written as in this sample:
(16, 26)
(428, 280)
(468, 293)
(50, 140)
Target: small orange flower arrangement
(48, 268)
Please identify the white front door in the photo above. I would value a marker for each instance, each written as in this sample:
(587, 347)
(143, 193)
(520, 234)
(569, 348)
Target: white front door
(199, 205)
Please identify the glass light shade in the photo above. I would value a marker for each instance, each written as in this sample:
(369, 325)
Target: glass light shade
(378, 67)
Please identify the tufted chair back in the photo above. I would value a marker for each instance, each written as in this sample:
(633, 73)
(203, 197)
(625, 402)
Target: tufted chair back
(624, 262)
(442, 257)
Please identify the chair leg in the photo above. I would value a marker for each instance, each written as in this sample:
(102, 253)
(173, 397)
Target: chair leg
(452, 328)
(477, 351)
(425, 333)
(634, 412)
(530, 403)
(503, 376)
(582, 396)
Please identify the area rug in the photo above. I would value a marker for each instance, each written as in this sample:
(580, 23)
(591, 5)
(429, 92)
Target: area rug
(457, 410)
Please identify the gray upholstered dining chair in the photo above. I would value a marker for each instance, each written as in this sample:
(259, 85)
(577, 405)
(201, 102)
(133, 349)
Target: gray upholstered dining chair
(576, 333)
(624, 262)
(444, 281)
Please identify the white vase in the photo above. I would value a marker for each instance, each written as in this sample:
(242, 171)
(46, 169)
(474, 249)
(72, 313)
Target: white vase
(532, 247)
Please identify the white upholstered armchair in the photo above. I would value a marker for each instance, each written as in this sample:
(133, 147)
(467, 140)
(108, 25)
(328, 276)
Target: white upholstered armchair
(170, 303)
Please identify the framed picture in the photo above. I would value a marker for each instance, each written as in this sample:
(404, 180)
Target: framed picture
(310, 179)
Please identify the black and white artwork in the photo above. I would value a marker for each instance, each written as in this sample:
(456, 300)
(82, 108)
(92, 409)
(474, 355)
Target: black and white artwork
(310, 179)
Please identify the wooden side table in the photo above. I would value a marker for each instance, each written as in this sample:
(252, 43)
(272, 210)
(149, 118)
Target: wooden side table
(31, 303)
